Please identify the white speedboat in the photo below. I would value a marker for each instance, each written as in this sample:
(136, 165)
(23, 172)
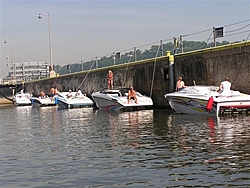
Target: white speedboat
(117, 100)
(206, 100)
(76, 101)
(43, 101)
(22, 99)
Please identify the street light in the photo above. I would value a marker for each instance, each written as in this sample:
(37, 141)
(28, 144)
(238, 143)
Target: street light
(12, 58)
(50, 40)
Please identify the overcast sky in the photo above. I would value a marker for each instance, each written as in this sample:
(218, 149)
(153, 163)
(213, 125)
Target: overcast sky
(85, 29)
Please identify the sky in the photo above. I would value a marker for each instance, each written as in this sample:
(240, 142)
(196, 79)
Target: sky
(82, 30)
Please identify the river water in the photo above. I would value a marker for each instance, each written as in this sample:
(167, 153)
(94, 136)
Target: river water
(47, 147)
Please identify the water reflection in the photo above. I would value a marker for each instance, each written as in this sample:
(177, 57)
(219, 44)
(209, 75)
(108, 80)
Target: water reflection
(94, 148)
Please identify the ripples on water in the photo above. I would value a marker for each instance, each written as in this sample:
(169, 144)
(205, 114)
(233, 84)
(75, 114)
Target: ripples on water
(48, 147)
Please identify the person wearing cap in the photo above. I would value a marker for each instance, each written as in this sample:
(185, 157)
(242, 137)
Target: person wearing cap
(132, 95)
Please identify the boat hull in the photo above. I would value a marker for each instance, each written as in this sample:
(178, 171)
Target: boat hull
(112, 100)
(191, 106)
(197, 100)
(76, 102)
(22, 100)
(43, 102)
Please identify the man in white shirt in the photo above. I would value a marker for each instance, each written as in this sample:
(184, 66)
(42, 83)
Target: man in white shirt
(225, 87)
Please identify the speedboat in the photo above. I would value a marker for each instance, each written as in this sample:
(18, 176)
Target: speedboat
(206, 100)
(22, 99)
(44, 101)
(117, 100)
(76, 101)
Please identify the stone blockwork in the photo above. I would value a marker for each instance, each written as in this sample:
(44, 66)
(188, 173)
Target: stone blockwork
(146, 76)
(151, 77)
(211, 66)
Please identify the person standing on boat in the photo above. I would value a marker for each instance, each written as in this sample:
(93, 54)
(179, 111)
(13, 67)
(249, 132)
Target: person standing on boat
(110, 78)
(225, 87)
(132, 95)
(180, 85)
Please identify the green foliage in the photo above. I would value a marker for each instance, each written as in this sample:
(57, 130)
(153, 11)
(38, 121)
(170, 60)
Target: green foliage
(154, 51)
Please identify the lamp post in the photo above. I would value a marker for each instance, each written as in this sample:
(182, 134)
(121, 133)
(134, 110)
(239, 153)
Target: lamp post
(50, 40)
(12, 58)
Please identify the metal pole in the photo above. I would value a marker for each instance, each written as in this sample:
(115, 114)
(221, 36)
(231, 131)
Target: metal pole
(161, 48)
(114, 57)
(50, 38)
(135, 53)
(96, 62)
(50, 43)
(214, 36)
(181, 43)
(12, 58)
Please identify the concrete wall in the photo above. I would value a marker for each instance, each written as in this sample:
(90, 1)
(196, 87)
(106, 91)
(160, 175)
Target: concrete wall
(211, 66)
(151, 77)
(145, 76)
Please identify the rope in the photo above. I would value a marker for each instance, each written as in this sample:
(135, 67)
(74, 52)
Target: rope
(86, 75)
(207, 40)
(72, 78)
(6, 97)
(70, 82)
(152, 83)
(125, 77)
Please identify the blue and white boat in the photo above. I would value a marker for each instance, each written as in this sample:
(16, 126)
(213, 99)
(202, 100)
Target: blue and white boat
(76, 100)
(44, 101)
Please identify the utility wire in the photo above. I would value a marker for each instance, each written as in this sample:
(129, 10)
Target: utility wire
(184, 35)
(238, 29)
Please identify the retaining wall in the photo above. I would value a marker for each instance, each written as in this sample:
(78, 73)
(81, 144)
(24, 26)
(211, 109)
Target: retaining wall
(151, 77)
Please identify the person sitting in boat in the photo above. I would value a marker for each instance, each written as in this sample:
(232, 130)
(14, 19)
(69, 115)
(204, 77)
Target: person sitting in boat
(22, 93)
(70, 95)
(52, 92)
(42, 94)
(225, 87)
(79, 93)
(180, 85)
(132, 95)
(56, 92)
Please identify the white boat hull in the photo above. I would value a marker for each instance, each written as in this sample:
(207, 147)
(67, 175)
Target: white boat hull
(191, 106)
(43, 102)
(22, 100)
(194, 100)
(117, 102)
(76, 102)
